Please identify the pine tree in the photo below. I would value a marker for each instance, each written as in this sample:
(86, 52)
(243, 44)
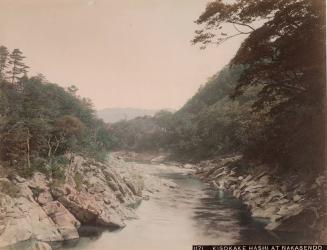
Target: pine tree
(18, 68)
(4, 53)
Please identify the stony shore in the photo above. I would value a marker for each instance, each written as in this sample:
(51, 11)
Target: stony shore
(42, 209)
(39, 211)
(285, 205)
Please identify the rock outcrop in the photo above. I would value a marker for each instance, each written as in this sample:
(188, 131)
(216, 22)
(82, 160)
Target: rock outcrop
(22, 218)
(66, 223)
(47, 210)
(277, 202)
(96, 195)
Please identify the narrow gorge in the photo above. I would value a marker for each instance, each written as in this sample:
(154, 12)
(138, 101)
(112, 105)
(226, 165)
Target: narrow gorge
(162, 198)
(153, 125)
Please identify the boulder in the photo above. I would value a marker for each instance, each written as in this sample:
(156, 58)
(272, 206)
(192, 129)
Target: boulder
(320, 180)
(189, 166)
(110, 218)
(231, 159)
(297, 223)
(264, 179)
(39, 180)
(272, 225)
(42, 197)
(40, 246)
(67, 224)
(16, 178)
(24, 220)
(134, 186)
(169, 183)
(81, 205)
(104, 197)
(158, 159)
(267, 212)
(39, 184)
(297, 198)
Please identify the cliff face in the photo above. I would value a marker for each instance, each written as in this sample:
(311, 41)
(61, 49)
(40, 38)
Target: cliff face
(288, 205)
(90, 193)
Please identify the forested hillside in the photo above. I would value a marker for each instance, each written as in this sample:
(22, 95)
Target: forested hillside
(287, 56)
(210, 124)
(268, 104)
(41, 121)
(111, 115)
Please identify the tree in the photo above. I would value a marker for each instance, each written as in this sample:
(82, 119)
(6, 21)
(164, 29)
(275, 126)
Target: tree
(72, 90)
(43, 121)
(291, 29)
(4, 53)
(18, 68)
(286, 55)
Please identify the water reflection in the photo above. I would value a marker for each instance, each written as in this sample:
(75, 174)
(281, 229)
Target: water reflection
(177, 218)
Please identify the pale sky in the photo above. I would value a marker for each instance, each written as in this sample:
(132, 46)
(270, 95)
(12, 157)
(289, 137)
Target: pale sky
(119, 53)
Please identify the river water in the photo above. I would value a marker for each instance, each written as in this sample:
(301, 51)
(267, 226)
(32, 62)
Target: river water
(177, 218)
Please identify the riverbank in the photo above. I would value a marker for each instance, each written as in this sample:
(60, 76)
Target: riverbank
(38, 211)
(287, 205)
(184, 211)
(279, 203)
(42, 209)
(45, 209)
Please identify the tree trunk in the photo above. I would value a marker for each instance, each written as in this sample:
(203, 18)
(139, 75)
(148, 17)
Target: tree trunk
(13, 74)
(50, 147)
(28, 149)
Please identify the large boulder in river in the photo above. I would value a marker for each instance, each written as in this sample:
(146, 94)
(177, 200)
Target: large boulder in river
(90, 209)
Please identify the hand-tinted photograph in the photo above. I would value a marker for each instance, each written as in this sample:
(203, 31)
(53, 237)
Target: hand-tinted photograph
(163, 124)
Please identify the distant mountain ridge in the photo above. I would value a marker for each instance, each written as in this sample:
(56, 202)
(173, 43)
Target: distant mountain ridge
(112, 115)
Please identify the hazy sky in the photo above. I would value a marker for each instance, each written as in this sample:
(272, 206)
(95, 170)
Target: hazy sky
(120, 53)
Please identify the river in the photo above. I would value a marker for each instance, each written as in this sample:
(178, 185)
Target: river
(176, 218)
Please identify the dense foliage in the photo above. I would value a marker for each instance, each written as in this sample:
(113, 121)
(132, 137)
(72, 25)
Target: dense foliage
(210, 124)
(272, 108)
(41, 121)
(286, 54)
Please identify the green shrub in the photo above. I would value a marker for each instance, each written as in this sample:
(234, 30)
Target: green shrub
(58, 171)
(37, 191)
